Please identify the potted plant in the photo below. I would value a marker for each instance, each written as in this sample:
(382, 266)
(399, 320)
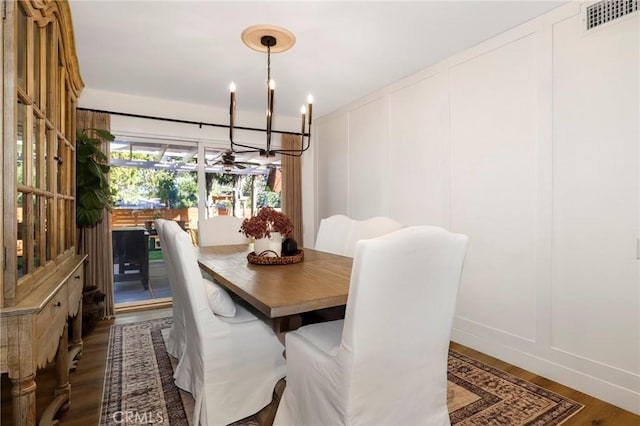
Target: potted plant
(223, 207)
(92, 184)
(268, 228)
(92, 197)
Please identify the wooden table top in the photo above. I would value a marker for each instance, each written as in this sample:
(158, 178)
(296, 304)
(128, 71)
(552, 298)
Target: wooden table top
(320, 281)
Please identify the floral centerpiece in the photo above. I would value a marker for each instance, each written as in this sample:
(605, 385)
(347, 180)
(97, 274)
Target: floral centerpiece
(268, 228)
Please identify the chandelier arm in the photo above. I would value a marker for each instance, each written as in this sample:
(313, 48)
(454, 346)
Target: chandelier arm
(303, 148)
(249, 147)
(289, 154)
(308, 140)
(190, 122)
(247, 151)
(282, 151)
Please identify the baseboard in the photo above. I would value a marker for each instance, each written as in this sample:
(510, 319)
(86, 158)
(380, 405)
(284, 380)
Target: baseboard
(563, 374)
(123, 308)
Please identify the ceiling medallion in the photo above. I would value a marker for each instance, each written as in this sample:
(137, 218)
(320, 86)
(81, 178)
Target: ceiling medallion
(270, 39)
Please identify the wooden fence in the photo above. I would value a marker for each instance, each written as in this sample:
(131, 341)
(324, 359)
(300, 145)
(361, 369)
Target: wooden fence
(121, 218)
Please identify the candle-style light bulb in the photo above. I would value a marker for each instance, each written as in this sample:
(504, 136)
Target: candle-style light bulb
(232, 108)
(310, 109)
(270, 95)
(272, 91)
(303, 111)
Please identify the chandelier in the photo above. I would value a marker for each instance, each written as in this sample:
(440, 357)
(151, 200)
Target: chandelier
(270, 39)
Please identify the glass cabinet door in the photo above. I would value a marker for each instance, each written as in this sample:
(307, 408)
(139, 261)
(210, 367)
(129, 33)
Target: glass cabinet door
(41, 230)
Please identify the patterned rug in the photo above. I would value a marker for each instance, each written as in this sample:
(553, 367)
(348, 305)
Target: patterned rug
(139, 388)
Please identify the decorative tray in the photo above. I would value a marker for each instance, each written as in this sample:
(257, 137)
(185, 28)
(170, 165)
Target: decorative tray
(283, 260)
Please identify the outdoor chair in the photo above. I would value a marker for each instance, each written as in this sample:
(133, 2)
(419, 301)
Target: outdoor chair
(131, 253)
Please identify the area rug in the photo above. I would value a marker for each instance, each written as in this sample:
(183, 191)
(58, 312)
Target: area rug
(139, 388)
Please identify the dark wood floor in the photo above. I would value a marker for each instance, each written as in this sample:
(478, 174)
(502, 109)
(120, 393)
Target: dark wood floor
(87, 380)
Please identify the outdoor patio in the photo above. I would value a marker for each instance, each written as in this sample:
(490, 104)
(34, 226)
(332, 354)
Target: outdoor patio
(133, 291)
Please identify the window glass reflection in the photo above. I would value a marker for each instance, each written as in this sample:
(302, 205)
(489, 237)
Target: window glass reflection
(20, 143)
(20, 237)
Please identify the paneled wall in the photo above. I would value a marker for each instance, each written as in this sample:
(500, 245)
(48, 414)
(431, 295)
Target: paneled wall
(529, 144)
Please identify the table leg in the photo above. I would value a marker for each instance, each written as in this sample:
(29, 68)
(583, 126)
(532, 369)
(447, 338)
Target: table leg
(75, 347)
(283, 325)
(63, 389)
(62, 365)
(23, 394)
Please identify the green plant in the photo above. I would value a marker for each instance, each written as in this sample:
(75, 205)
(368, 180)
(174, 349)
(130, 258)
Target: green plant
(92, 184)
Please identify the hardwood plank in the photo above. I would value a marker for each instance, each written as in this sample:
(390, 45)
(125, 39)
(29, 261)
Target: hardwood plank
(87, 381)
(595, 412)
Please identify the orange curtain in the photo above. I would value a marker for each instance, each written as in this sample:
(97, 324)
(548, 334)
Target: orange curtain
(96, 240)
(292, 186)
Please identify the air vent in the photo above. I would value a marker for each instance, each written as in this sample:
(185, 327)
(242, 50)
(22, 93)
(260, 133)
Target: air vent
(608, 10)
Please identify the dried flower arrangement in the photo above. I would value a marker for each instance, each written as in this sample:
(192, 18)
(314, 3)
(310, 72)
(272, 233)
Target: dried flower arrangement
(265, 222)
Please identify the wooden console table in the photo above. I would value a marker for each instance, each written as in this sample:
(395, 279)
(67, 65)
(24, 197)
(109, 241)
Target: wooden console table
(34, 333)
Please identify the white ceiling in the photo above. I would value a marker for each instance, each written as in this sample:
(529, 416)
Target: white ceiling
(190, 50)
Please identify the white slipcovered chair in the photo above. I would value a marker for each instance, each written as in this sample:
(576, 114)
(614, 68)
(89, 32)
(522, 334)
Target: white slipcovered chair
(220, 230)
(230, 365)
(369, 228)
(386, 362)
(338, 234)
(333, 233)
(176, 342)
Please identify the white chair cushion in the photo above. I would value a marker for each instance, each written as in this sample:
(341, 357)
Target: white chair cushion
(219, 300)
(242, 315)
(326, 336)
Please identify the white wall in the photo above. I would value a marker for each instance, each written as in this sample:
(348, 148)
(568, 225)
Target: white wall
(529, 144)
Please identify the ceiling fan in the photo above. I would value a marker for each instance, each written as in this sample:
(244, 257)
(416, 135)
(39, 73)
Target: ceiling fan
(228, 161)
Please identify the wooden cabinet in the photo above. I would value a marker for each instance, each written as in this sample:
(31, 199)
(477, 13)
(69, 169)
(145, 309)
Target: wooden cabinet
(42, 277)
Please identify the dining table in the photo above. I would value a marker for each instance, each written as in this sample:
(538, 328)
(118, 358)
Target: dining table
(319, 281)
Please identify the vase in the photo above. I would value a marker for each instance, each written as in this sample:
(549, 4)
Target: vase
(269, 246)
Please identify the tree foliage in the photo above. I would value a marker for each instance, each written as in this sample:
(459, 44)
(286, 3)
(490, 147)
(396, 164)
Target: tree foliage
(133, 185)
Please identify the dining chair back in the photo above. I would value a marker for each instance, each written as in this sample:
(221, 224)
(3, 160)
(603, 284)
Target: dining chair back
(369, 228)
(338, 234)
(176, 341)
(386, 362)
(230, 366)
(333, 233)
(220, 230)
